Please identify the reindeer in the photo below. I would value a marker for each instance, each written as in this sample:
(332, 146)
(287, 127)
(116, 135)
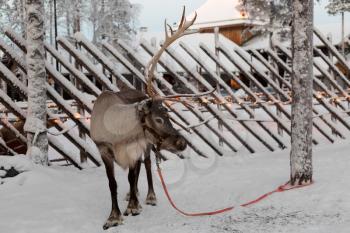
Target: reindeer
(125, 125)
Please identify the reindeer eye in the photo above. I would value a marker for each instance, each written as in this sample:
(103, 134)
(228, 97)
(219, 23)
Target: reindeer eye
(159, 120)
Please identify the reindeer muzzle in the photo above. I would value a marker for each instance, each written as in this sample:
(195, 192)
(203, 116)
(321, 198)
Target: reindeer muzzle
(173, 143)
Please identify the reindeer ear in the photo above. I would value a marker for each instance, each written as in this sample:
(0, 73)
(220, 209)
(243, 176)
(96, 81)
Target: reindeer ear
(145, 106)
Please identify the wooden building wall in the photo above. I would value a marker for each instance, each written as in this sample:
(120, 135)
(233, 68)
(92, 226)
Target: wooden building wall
(237, 33)
(343, 69)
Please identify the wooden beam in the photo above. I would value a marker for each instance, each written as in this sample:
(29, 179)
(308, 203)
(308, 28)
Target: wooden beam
(78, 56)
(243, 86)
(177, 112)
(289, 86)
(5, 100)
(9, 77)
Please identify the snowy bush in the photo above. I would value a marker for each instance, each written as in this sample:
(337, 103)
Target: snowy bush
(13, 165)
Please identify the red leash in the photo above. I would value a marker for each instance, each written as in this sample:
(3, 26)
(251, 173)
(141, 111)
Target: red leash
(281, 188)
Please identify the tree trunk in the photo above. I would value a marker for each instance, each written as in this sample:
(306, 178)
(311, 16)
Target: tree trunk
(50, 23)
(76, 16)
(342, 34)
(22, 11)
(51, 16)
(302, 84)
(35, 125)
(103, 26)
(68, 22)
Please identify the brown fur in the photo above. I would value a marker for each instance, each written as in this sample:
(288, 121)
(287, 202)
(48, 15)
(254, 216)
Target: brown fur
(123, 129)
(108, 125)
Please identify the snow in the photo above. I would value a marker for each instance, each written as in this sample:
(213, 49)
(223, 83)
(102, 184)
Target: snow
(218, 13)
(19, 162)
(337, 6)
(68, 66)
(7, 102)
(8, 75)
(35, 154)
(77, 94)
(2, 173)
(114, 67)
(193, 41)
(35, 58)
(333, 30)
(330, 30)
(68, 200)
(87, 63)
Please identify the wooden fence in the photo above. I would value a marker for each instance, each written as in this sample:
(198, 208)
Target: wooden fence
(254, 119)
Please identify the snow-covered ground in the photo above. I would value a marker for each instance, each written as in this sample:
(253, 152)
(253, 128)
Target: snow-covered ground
(64, 199)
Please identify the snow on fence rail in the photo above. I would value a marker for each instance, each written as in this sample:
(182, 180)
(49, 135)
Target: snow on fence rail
(265, 93)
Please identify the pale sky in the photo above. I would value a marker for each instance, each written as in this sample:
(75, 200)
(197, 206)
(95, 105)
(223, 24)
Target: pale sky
(153, 12)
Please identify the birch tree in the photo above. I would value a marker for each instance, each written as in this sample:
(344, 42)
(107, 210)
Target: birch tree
(12, 14)
(96, 8)
(339, 6)
(275, 15)
(113, 20)
(35, 125)
(302, 80)
(77, 9)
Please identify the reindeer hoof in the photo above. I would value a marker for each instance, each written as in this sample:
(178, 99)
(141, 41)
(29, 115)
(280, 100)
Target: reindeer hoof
(151, 199)
(134, 208)
(113, 221)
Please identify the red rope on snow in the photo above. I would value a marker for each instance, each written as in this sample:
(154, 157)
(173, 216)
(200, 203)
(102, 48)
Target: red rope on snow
(281, 188)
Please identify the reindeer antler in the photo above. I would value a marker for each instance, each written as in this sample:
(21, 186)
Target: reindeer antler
(169, 39)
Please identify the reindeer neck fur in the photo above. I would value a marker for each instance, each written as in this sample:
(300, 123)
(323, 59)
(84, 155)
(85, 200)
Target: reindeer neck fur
(115, 121)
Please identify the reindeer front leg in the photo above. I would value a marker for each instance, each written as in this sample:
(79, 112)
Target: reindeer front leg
(115, 217)
(134, 207)
(151, 196)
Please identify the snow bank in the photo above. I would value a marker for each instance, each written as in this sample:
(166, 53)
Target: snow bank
(63, 199)
(11, 166)
(19, 162)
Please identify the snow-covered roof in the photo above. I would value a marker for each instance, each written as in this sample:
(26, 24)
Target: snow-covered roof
(257, 42)
(193, 41)
(263, 42)
(219, 13)
(332, 30)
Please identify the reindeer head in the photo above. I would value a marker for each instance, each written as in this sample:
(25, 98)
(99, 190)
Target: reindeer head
(158, 128)
(156, 119)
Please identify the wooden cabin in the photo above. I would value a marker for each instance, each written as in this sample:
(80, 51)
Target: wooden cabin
(233, 23)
